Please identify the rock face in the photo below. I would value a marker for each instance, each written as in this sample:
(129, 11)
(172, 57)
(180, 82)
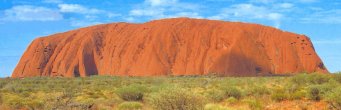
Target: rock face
(179, 46)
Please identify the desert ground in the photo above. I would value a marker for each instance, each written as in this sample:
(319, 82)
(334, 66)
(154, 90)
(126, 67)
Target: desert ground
(210, 92)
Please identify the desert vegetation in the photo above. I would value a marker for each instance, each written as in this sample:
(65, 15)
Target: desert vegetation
(303, 91)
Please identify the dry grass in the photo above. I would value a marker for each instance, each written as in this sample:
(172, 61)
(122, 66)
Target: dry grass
(231, 93)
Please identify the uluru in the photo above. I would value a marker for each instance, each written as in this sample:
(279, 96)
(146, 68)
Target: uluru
(176, 46)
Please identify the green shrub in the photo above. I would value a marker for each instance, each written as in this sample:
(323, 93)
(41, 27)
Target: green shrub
(231, 100)
(233, 92)
(314, 78)
(334, 98)
(292, 88)
(131, 92)
(3, 83)
(297, 95)
(65, 101)
(34, 103)
(299, 79)
(130, 106)
(313, 93)
(24, 100)
(14, 101)
(1, 99)
(254, 104)
(215, 95)
(337, 77)
(258, 91)
(318, 92)
(279, 95)
(327, 87)
(317, 78)
(214, 107)
(176, 99)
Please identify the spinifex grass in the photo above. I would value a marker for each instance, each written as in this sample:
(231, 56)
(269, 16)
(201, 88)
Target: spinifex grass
(111, 92)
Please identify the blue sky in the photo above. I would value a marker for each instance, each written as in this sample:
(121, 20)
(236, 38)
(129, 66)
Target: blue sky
(21, 21)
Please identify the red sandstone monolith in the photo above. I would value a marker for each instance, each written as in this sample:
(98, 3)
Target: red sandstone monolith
(179, 46)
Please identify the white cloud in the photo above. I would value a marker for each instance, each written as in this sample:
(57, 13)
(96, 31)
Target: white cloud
(81, 23)
(262, 1)
(76, 8)
(31, 13)
(308, 1)
(275, 17)
(111, 15)
(89, 16)
(249, 11)
(53, 1)
(324, 16)
(286, 5)
(156, 9)
(185, 14)
(147, 12)
(321, 42)
(221, 0)
(160, 2)
(278, 1)
(130, 19)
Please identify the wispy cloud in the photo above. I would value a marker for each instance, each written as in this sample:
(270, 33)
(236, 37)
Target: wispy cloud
(76, 8)
(31, 13)
(89, 16)
(259, 11)
(329, 42)
(81, 23)
(307, 1)
(249, 12)
(285, 5)
(156, 9)
(262, 1)
(53, 1)
(278, 1)
(221, 0)
(332, 16)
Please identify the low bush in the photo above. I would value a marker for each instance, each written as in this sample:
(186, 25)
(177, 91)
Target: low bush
(314, 78)
(214, 107)
(297, 95)
(130, 106)
(337, 77)
(299, 79)
(334, 98)
(176, 99)
(313, 93)
(65, 101)
(231, 100)
(215, 95)
(254, 104)
(258, 91)
(131, 92)
(14, 101)
(22, 101)
(279, 94)
(3, 83)
(327, 87)
(233, 92)
(292, 88)
(34, 103)
(0, 98)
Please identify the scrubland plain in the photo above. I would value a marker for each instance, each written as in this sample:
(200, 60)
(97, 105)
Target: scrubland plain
(301, 92)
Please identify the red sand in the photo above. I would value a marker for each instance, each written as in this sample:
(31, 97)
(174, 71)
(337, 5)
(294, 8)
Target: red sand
(179, 46)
